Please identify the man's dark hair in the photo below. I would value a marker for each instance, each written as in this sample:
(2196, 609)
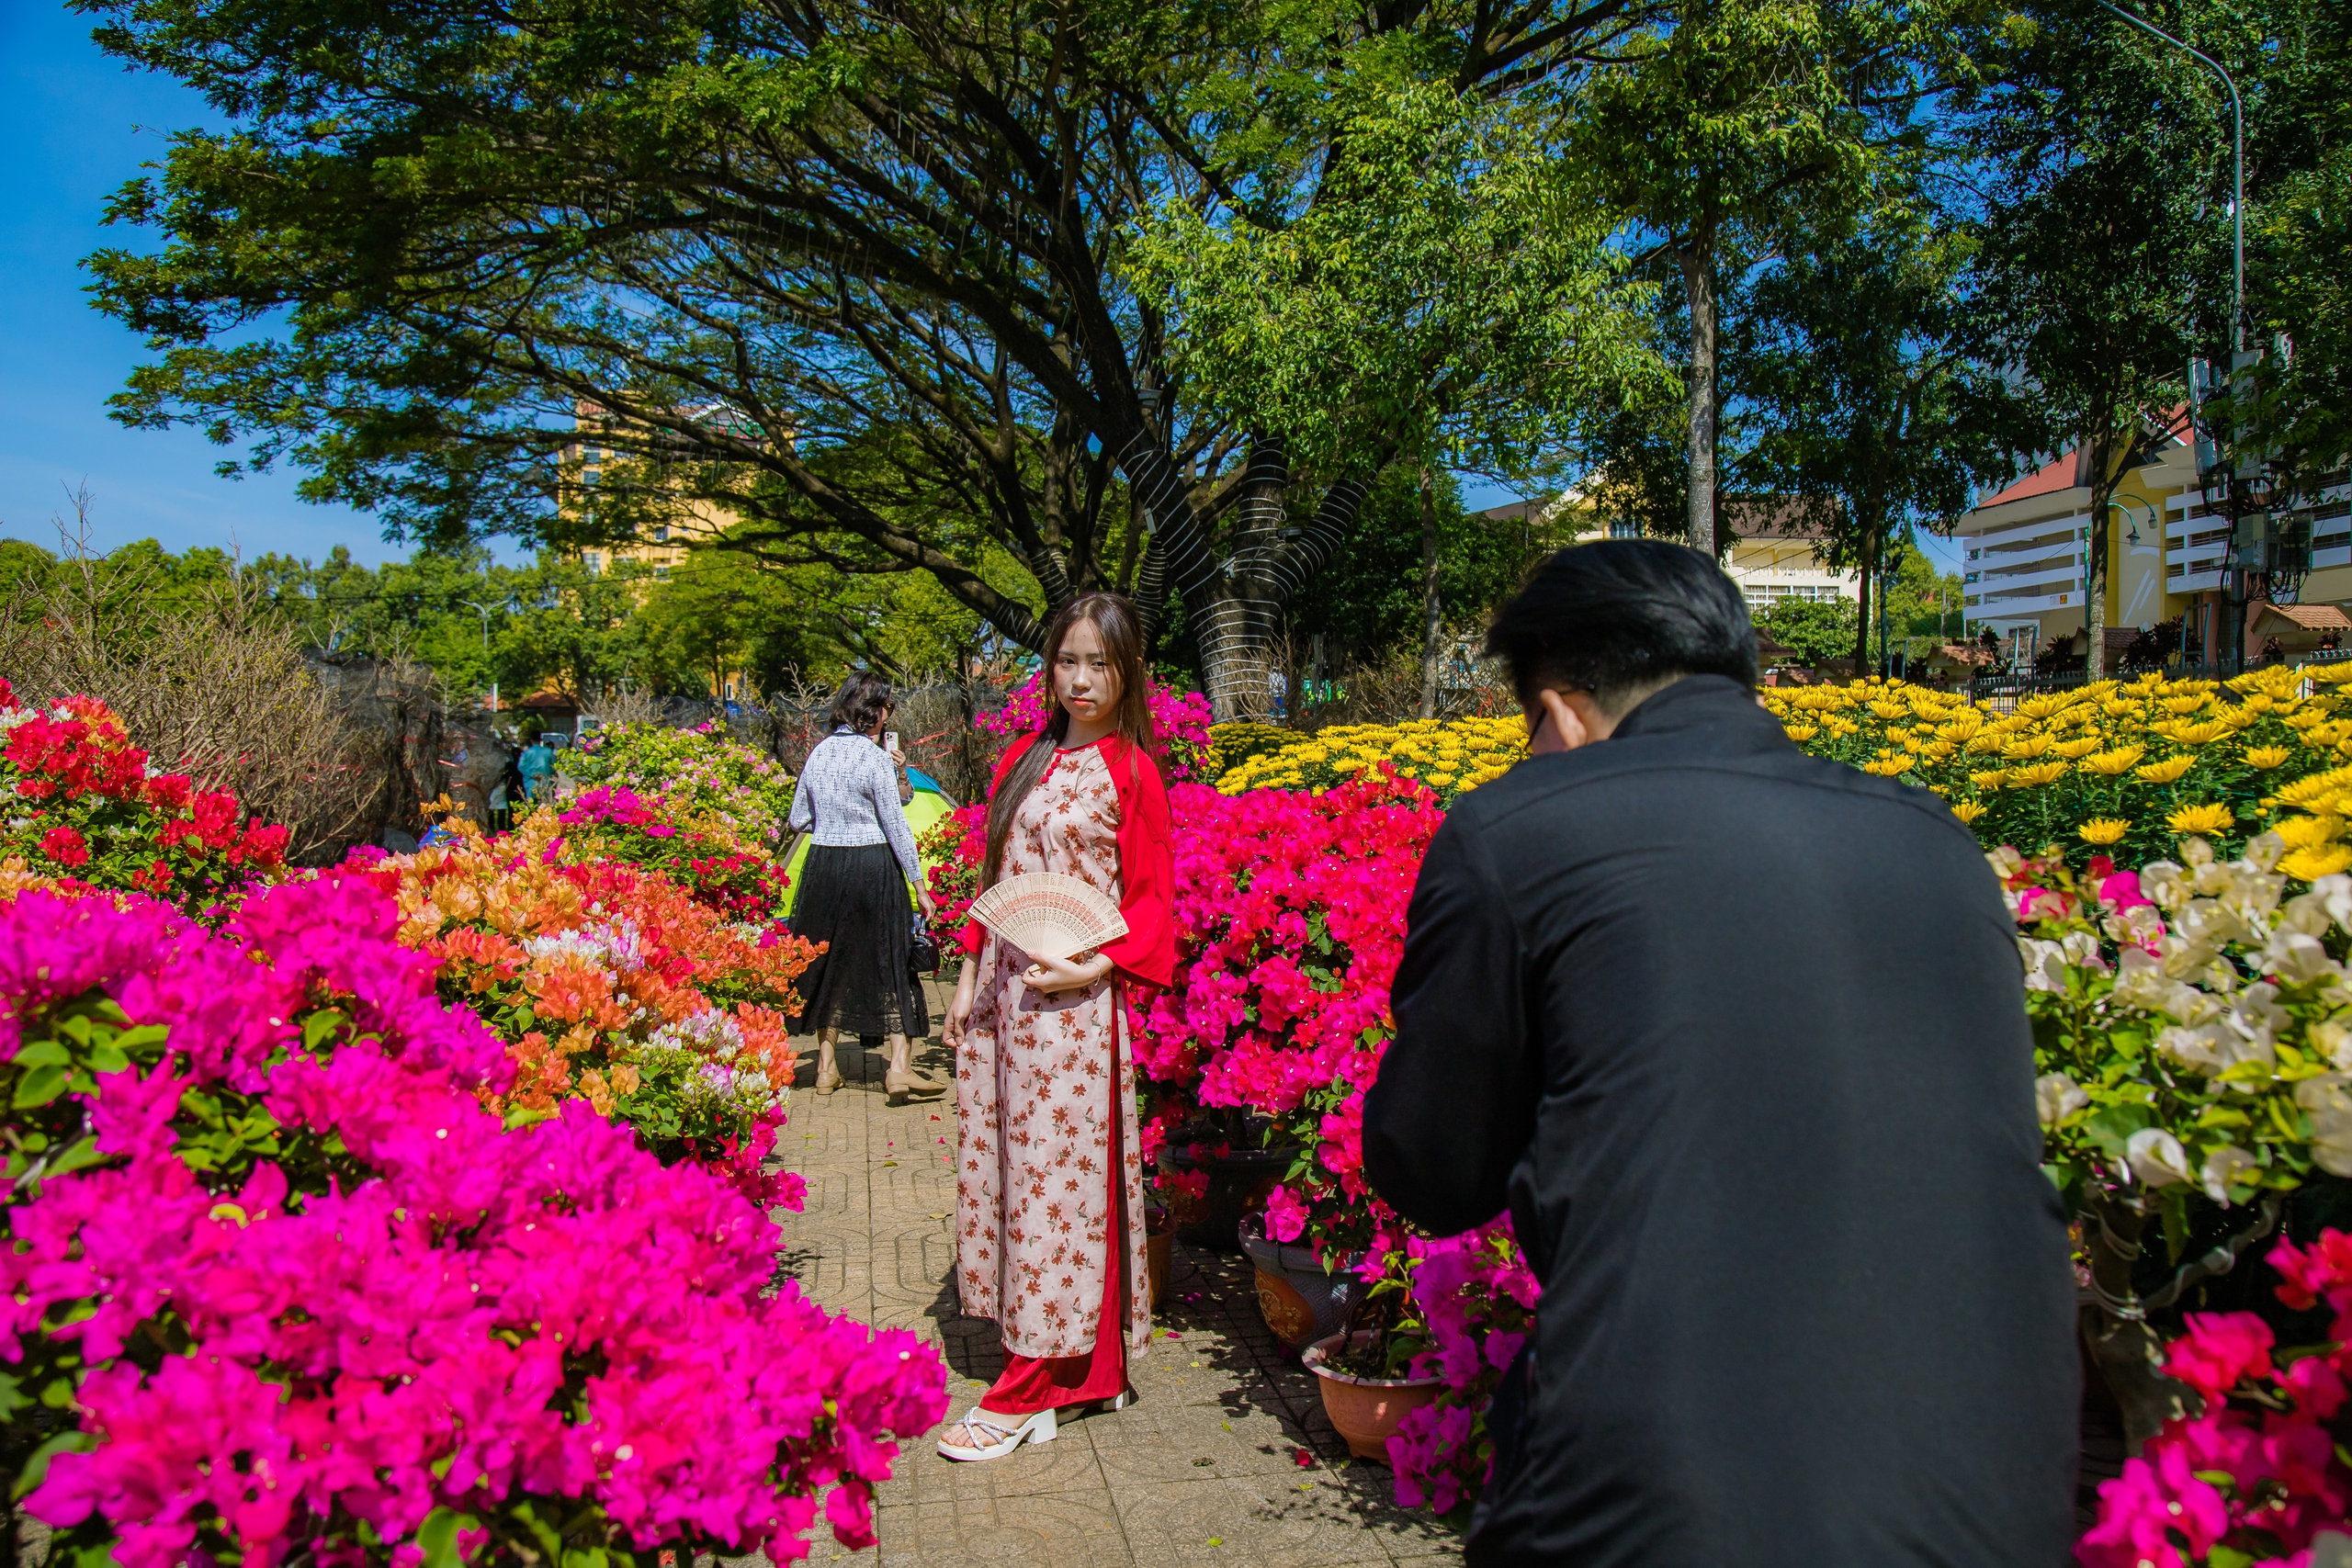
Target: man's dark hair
(860, 701)
(1621, 615)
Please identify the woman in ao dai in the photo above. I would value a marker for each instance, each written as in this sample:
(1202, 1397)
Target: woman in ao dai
(1049, 1195)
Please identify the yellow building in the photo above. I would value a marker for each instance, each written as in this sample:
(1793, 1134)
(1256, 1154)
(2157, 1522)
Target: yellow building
(666, 544)
(2024, 549)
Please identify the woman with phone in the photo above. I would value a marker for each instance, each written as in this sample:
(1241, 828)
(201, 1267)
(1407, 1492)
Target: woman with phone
(1049, 1182)
(853, 894)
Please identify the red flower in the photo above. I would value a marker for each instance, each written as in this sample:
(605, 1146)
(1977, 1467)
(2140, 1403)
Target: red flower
(169, 790)
(65, 846)
(2220, 1348)
(215, 816)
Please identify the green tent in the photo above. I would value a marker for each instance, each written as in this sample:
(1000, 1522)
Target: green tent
(927, 807)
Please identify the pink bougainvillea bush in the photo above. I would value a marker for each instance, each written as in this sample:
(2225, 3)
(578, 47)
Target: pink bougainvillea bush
(84, 811)
(303, 1298)
(2258, 1471)
(1179, 722)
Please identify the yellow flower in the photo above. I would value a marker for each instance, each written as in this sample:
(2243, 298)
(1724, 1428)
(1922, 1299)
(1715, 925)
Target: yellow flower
(2037, 773)
(2267, 756)
(2026, 746)
(2113, 762)
(2320, 860)
(1804, 732)
(2308, 832)
(1886, 767)
(2081, 745)
(1993, 780)
(2102, 830)
(1967, 810)
(2168, 770)
(2207, 817)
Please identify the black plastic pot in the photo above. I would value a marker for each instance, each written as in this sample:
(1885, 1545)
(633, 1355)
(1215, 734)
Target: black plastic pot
(1238, 1184)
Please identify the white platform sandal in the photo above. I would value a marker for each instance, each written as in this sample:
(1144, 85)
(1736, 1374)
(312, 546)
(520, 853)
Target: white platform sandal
(1002, 1438)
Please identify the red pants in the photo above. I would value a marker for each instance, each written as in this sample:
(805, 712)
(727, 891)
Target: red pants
(1029, 1383)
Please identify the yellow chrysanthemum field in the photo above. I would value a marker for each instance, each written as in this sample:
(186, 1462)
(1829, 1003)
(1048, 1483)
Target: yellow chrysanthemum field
(2121, 768)
(1450, 757)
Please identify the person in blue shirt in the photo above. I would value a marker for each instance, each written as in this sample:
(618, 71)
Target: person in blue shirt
(536, 765)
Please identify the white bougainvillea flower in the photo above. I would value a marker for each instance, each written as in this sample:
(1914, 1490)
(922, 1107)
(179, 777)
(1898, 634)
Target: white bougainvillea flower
(2299, 959)
(2331, 1039)
(2156, 1158)
(2206, 1049)
(2057, 1096)
(2224, 1166)
(2264, 851)
(2045, 965)
(2162, 881)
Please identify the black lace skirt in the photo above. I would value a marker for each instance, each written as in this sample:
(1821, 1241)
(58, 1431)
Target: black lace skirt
(854, 900)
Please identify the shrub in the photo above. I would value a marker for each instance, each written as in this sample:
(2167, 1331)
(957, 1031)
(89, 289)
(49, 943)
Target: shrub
(699, 780)
(1180, 723)
(1451, 757)
(2114, 768)
(611, 985)
(89, 813)
(308, 1297)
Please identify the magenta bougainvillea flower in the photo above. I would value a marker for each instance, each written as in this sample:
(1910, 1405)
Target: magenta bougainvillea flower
(402, 1309)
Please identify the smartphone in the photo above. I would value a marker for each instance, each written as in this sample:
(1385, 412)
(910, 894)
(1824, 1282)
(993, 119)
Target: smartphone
(889, 740)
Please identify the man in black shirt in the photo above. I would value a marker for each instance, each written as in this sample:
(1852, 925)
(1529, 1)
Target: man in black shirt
(1738, 1036)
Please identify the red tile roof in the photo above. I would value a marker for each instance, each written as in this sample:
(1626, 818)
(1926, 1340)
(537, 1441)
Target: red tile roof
(2309, 617)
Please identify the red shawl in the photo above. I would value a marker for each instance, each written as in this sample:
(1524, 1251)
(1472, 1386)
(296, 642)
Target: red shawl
(1147, 861)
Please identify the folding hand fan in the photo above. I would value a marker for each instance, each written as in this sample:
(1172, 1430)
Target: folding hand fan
(1048, 915)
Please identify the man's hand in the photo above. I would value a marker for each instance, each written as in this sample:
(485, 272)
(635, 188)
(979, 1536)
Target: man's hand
(1051, 977)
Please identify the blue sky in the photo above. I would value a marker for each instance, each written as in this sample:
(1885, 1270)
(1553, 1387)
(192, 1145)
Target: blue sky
(67, 117)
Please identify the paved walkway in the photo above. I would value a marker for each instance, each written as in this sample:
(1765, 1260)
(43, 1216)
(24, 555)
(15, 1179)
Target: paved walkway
(1204, 1470)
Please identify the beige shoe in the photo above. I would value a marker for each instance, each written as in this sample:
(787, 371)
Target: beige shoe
(899, 1084)
(828, 1082)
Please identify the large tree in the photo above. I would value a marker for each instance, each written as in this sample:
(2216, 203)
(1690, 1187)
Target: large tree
(846, 267)
(1445, 300)
(2102, 261)
(1876, 412)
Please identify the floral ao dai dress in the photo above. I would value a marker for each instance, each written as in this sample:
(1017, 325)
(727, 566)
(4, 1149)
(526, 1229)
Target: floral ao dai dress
(1048, 1180)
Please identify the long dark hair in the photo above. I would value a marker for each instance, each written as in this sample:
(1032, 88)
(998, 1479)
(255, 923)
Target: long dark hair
(1114, 620)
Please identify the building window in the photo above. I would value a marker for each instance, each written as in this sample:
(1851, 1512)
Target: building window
(593, 561)
(660, 572)
(661, 533)
(1624, 529)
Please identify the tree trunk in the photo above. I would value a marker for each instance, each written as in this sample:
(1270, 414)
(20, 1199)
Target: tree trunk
(1433, 602)
(2127, 1353)
(1235, 606)
(1699, 285)
(1863, 608)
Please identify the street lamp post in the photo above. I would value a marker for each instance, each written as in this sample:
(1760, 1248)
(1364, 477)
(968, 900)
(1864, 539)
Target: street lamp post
(483, 610)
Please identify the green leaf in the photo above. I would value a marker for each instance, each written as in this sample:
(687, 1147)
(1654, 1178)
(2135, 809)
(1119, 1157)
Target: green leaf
(36, 1469)
(12, 1398)
(438, 1537)
(78, 1157)
(42, 1053)
(542, 1532)
(38, 1087)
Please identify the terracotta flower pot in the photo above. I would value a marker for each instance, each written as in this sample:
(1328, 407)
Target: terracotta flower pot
(1300, 1299)
(1366, 1410)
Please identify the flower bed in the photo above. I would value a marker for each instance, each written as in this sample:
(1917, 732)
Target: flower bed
(86, 812)
(612, 985)
(312, 1297)
(700, 781)
(1451, 757)
(2114, 767)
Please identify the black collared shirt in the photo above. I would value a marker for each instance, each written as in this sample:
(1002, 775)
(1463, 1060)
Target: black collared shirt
(1738, 1036)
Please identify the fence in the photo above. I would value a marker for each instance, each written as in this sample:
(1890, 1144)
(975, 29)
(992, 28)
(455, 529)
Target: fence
(2002, 692)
